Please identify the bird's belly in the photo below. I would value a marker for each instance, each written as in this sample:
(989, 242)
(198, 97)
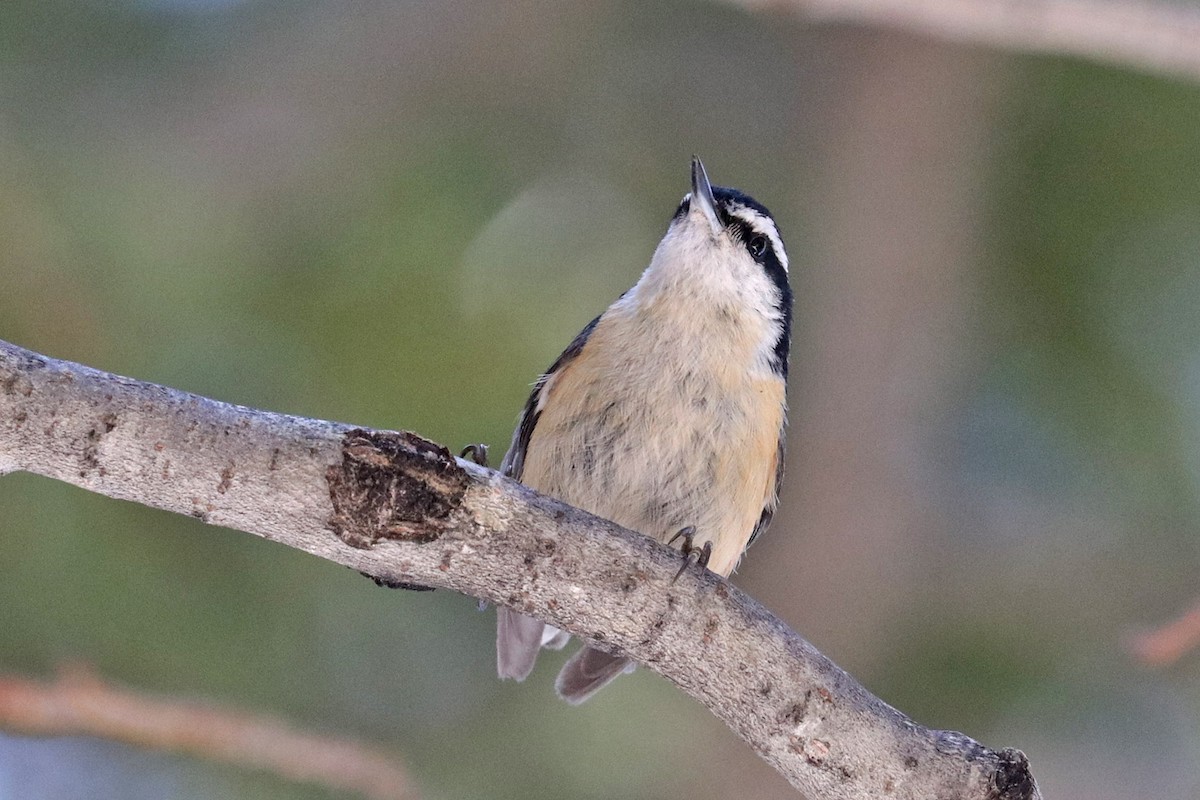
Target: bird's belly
(659, 461)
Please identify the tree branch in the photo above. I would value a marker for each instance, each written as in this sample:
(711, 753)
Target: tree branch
(80, 704)
(1156, 37)
(402, 509)
(1169, 642)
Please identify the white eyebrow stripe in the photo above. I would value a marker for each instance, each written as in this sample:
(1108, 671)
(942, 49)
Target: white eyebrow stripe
(760, 224)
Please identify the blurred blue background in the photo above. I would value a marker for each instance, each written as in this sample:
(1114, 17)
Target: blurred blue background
(397, 213)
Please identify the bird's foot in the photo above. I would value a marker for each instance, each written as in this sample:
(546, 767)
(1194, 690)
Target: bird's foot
(689, 549)
(477, 452)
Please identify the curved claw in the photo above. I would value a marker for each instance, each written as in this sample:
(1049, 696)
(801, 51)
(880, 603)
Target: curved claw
(688, 535)
(477, 452)
(688, 548)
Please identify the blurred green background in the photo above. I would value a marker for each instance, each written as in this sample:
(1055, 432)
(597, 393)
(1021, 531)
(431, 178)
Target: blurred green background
(396, 213)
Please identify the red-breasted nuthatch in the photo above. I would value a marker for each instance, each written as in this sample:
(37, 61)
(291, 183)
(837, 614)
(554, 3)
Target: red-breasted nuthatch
(666, 414)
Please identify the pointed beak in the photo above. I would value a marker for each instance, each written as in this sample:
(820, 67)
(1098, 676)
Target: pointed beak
(702, 196)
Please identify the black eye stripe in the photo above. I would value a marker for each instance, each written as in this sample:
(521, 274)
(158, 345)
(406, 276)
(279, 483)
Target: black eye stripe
(770, 260)
(758, 224)
(745, 233)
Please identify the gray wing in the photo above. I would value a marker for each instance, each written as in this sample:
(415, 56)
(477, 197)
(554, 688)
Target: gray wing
(514, 460)
(769, 508)
(519, 638)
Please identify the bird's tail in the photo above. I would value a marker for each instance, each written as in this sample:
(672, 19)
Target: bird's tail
(518, 639)
(587, 672)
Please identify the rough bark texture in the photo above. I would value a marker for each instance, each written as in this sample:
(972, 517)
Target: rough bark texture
(404, 510)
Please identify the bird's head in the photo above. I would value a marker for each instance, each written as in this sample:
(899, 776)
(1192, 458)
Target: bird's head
(723, 250)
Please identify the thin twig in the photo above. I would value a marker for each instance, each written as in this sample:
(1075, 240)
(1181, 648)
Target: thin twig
(1155, 37)
(79, 704)
(1169, 642)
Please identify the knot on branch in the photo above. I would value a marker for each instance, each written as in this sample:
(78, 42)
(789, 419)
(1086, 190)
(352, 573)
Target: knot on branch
(1012, 779)
(394, 486)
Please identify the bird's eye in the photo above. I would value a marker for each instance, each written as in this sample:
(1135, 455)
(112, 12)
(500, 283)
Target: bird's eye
(757, 246)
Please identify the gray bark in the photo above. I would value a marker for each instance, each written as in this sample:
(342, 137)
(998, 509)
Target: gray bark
(404, 510)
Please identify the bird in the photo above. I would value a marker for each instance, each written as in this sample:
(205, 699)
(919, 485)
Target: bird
(667, 413)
